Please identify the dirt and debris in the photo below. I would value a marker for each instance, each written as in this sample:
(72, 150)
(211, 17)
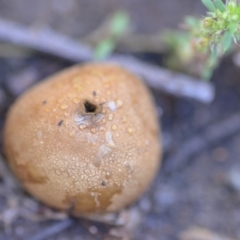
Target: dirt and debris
(196, 194)
(195, 233)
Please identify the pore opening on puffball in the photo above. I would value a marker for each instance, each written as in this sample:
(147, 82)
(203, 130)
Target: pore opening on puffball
(89, 107)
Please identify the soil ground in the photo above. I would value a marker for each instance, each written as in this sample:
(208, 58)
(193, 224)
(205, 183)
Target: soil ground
(199, 187)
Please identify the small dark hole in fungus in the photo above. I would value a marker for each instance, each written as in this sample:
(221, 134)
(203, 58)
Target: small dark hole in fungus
(89, 107)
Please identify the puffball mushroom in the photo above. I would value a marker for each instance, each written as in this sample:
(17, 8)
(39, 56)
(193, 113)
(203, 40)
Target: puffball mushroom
(85, 139)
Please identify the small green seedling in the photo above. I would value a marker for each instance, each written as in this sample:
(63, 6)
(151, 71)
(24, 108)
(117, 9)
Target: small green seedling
(118, 26)
(207, 39)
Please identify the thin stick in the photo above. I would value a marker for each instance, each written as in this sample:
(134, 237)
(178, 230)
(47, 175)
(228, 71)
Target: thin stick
(194, 145)
(44, 40)
(197, 233)
(50, 42)
(170, 82)
(52, 230)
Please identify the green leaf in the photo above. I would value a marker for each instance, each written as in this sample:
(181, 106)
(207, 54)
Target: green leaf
(220, 5)
(104, 49)
(119, 23)
(233, 27)
(226, 41)
(191, 21)
(207, 73)
(214, 53)
(209, 5)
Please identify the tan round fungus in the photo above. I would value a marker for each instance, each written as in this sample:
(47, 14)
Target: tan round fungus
(85, 139)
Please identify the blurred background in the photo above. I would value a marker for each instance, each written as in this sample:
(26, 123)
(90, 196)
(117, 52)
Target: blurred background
(196, 195)
(79, 17)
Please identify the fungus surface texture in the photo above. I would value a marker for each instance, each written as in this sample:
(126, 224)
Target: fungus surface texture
(85, 139)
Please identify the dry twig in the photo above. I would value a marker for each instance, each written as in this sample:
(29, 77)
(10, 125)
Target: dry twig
(196, 233)
(170, 82)
(53, 229)
(213, 133)
(50, 42)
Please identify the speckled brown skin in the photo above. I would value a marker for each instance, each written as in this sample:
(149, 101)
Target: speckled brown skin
(85, 139)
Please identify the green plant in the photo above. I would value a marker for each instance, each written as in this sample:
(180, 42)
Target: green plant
(221, 26)
(204, 41)
(118, 25)
(197, 48)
